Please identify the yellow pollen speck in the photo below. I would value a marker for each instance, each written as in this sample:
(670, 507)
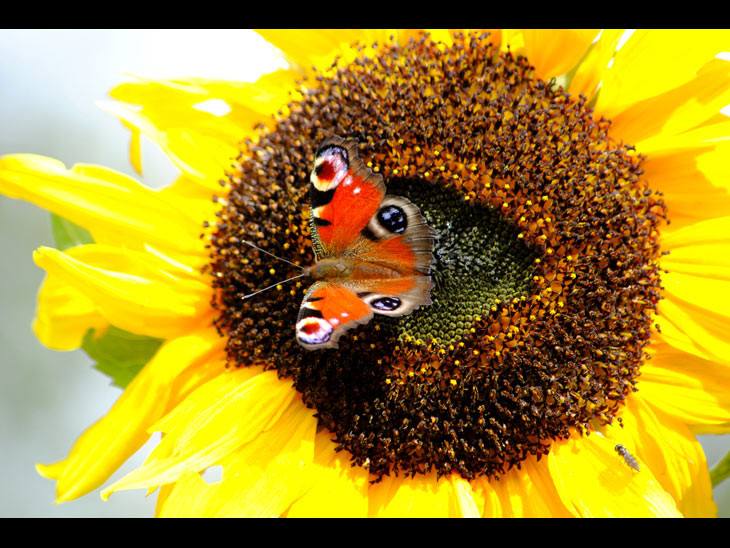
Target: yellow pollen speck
(427, 174)
(494, 308)
(497, 353)
(520, 235)
(472, 330)
(537, 261)
(572, 275)
(411, 374)
(453, 382)
(436, 152)
(416, 149)
(529, 202)
(279, 287)
(387, 381)
(569, 257)
(505, 205)
(457, 362)
(549, 251)
(506, 186)
(533, 317)
(476, 352)
(376, 169)
(272, 271)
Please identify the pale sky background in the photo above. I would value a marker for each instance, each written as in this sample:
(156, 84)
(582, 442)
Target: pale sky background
(50, 82)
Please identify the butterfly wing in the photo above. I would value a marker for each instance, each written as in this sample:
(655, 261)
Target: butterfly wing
(328, 310)
(344, 194)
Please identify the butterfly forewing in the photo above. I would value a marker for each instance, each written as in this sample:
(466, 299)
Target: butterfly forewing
(344, 194)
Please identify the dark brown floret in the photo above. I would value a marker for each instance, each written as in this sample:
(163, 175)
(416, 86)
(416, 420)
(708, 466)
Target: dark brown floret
(547, 215)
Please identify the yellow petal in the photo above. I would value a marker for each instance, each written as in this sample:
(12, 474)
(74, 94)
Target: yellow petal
(590, 72)
(593, 481)
(678, 109)
(704, 137)
(464, 499)
(695, 184)
(340, 490)
(307, 48)
(420, 496)
(132, 290)
(64, 315)
(652, 62)
(689, 333)
(670, 451)
(104, 446)
(555, 51)
(210, 424)
(199, 156)
(115, 208)
(694, 315)
(486, 498)
(529, 492)
(261, 479)
(201, 141)
(693, 390)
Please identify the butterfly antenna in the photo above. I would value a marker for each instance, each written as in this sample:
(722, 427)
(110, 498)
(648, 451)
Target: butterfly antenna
(274, 285)
(274, 256)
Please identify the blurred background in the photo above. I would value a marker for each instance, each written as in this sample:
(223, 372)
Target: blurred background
(51, 80)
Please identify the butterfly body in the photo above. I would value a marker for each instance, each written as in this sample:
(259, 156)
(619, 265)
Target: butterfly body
(374, 251)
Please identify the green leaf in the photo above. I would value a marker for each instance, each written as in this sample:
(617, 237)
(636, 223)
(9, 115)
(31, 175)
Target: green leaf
(120, 354)
(720, 471)
(68, 234)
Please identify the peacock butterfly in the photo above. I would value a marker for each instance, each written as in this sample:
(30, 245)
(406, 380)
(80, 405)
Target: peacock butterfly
(373, 250)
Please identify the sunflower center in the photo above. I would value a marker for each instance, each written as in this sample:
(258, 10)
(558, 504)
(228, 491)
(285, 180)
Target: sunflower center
(544, 275)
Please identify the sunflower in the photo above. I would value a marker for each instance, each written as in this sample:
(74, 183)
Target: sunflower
(576, 341)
